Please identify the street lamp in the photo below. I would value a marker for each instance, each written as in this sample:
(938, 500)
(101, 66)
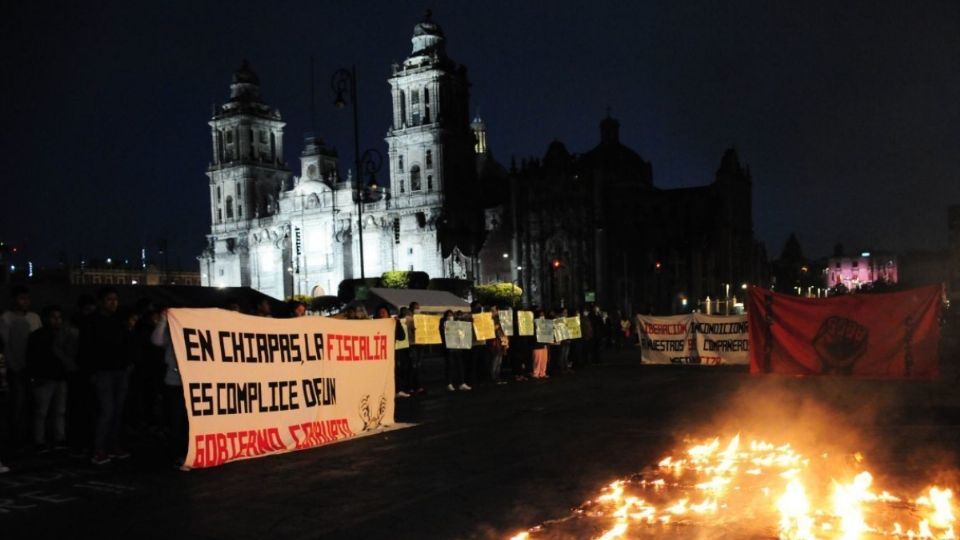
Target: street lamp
(367, 164)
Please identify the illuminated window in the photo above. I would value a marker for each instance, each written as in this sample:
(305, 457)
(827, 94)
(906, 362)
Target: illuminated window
(415, 178)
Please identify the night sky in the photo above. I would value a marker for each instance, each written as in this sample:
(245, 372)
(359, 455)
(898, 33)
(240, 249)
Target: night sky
(849, 116)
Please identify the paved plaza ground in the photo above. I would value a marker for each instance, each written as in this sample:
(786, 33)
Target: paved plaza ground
(485, 463)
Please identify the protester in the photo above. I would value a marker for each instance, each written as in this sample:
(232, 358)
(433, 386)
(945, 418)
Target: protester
(263, 308)
(16, 325)
(417, 352)
(48, 361)
(452, 358)
(104, 341)
(585, 343)
(499, 346)
(81, 400)
(475, 360)
(410, 378)
(145, 380)
(399, 375)
(298, 309)
(175, 409)
(540, 355)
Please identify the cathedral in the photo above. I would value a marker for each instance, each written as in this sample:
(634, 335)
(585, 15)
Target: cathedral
(568, 228)
(285, 234)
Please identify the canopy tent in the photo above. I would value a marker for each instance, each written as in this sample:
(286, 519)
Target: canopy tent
(430, 301)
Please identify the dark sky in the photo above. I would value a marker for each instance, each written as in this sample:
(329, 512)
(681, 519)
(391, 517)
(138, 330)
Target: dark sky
(848, 115)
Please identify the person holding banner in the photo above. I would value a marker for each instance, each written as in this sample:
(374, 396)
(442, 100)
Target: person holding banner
(540, 355)
(499, 346)
(400, 336)
(452, 359)
(404, 356)
(175, 408)
(416, 351)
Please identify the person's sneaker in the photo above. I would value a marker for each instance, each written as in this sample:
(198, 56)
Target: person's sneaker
(451, 388)
(100, 459)
(464, 386)
(402, 394)
(119, 453)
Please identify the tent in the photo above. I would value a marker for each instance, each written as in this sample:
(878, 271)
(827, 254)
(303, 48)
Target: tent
(430, 301)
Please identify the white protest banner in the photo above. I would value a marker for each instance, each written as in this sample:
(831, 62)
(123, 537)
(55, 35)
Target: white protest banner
(255, 386)
(506, 321)
(545, 332)
(722, 339)
(666, 340)
(458, 334)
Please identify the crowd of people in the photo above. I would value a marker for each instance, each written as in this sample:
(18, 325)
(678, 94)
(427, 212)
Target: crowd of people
(84, 379)
(501, 357)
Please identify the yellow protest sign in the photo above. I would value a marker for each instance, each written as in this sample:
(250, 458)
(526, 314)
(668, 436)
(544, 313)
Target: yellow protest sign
(426, 329)
(483, 326)
(573, 327)
(525, 323)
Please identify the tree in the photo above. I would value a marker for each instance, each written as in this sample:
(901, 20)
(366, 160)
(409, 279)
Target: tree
(399, 279)
(500, 294)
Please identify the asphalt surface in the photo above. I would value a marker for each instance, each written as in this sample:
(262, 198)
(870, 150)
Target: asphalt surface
(486, 463)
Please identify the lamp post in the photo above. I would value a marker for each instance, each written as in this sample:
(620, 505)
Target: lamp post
(370, 161)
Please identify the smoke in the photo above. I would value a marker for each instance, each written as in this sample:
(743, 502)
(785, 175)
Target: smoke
(905, 430)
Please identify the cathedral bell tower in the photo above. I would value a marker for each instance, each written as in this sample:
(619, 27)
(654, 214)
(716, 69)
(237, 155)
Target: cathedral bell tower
(247, 174)
(432, 163)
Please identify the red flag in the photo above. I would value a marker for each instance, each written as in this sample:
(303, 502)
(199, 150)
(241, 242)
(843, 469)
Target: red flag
(893, 335)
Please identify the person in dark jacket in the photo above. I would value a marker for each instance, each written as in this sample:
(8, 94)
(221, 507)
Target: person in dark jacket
(104, 348)
(48, 359)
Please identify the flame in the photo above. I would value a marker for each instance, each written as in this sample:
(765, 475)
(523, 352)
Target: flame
(747, 488)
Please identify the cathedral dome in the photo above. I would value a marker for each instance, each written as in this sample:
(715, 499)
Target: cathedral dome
(309, 186)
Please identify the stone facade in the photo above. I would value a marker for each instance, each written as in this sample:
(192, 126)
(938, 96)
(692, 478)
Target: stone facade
(285, 235)
(593, 227)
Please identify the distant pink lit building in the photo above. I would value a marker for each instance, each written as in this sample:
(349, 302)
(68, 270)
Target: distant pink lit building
(855, 272)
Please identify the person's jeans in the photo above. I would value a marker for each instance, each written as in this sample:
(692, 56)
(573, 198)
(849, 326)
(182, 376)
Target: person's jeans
(453, 366)
(111, 388)
(495, 363)
(49, 404)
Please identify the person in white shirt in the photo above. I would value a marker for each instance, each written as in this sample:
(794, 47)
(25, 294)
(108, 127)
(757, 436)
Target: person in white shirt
(16, 325)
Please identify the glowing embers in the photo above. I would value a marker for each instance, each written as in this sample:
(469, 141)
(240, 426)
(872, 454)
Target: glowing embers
(736, 490)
